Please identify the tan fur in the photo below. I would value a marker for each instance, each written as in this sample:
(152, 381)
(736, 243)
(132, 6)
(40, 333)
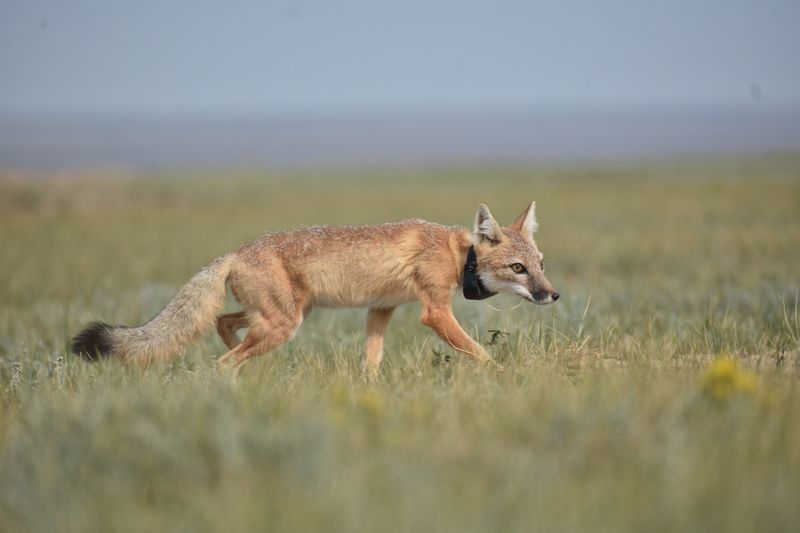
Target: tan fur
(280, 277)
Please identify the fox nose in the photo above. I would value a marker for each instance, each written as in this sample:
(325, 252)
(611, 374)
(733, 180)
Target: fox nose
(556, 296)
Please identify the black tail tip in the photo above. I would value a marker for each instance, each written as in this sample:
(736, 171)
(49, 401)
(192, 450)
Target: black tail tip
(93, 342)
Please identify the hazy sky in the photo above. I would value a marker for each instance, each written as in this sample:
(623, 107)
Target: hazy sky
(100, 56)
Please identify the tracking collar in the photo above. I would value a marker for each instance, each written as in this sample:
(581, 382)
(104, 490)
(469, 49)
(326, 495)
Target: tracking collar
(473, 288)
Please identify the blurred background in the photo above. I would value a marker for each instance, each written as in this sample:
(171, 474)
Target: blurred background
(357, 82)
(661, 141)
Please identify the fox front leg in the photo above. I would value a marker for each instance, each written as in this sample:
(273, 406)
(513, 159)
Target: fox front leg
(441, 320)
(377, 321)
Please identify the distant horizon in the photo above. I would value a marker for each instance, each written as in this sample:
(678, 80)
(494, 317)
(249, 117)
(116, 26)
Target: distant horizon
(755, 108)
(416, 138)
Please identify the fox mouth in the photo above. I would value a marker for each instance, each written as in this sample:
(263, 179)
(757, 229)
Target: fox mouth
(527, 296)
(544, 301)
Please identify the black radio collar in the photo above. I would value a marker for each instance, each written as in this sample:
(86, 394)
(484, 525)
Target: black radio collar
(473, 287)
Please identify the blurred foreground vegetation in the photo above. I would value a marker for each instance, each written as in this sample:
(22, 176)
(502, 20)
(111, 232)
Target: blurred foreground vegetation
(659, 394)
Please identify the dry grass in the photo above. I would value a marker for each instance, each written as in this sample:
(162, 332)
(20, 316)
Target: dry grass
(604, 412)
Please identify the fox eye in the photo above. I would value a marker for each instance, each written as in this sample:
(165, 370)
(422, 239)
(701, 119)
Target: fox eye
(518, 268)
(541, 265)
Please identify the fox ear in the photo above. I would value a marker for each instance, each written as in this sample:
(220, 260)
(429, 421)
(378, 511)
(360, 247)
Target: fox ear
(486, 227)
(525, 224)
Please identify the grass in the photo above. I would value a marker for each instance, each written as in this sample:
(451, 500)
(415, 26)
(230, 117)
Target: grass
(659, 394)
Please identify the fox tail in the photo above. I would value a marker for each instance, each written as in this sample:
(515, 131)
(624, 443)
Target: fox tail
(190, 312)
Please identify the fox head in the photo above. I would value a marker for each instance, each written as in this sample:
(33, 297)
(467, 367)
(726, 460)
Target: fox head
(508, 259)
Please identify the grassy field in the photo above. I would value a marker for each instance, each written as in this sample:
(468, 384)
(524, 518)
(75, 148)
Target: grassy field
(659, 394)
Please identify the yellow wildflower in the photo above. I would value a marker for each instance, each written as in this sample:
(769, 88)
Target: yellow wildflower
(725, 378)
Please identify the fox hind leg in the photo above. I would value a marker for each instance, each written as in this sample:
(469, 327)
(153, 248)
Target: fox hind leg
(264, 335)
(249, 341)
(274, 309)
(228, 325)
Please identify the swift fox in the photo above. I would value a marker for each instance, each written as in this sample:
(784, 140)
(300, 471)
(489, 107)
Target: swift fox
(280, 277)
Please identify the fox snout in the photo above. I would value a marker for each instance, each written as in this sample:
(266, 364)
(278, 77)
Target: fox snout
(545, 297)
(541, 291)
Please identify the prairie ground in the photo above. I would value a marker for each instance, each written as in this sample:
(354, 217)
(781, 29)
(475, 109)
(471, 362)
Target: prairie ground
(659, 394)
